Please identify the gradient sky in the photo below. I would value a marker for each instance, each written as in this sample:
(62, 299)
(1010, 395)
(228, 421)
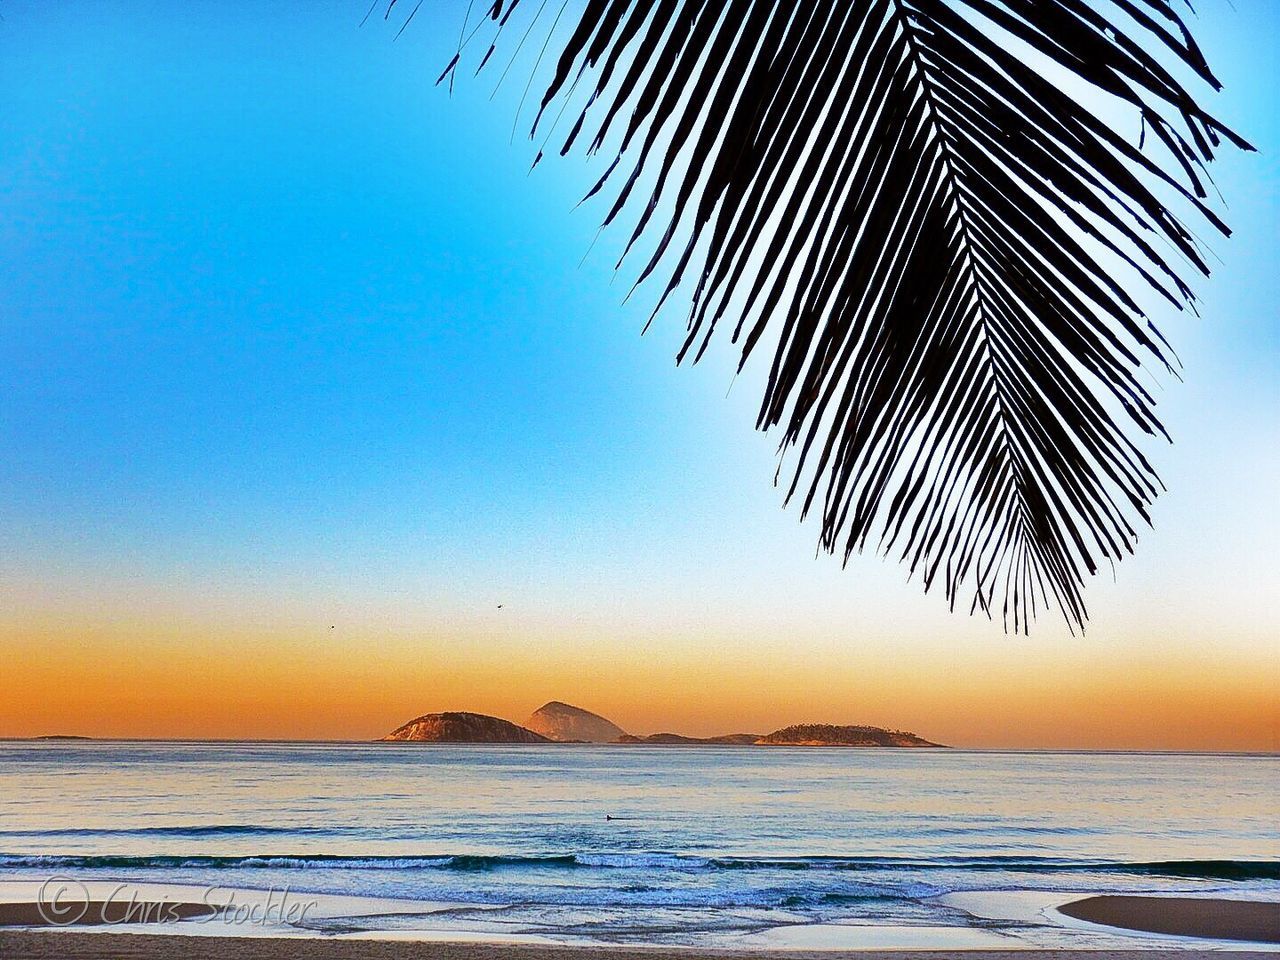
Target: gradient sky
(300, 377)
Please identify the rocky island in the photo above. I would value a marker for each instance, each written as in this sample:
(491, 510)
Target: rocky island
(463, 727)
(826, 735)
(569, 724)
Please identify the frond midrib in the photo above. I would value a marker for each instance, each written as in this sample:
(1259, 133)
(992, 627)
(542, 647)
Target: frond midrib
(1015, 462)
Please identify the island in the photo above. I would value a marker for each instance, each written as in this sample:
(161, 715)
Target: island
(463, 727)
(562, 723)
(827, 735)
(569, 724)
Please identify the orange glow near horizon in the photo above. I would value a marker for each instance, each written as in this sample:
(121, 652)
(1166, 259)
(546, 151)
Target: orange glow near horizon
(127, 680)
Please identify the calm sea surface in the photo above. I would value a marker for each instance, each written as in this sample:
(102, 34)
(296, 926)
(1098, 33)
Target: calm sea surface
(701, 841)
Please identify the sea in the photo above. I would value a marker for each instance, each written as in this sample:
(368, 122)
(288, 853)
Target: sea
(710, 846)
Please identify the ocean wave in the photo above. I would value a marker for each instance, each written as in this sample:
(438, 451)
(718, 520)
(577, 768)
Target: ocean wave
(633, 861)
(1229, 870)
(1190, 869)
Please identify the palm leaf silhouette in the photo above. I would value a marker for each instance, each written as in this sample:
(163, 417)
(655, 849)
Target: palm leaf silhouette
(946, 218)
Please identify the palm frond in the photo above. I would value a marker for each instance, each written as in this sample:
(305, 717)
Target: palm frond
(928, 211)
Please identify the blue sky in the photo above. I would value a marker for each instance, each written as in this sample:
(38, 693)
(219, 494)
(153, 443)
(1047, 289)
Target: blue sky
(288, 336)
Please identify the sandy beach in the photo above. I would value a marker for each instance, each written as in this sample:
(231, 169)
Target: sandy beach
(1216, 920)
(84, 913)
(1182, 916)
(28, 945)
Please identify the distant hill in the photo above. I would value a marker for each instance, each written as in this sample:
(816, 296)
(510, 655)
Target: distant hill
(729, 739)
(462, 727)
(567, 723)
(826, 735)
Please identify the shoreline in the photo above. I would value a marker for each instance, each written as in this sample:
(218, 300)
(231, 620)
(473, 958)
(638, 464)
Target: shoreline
(76, 945)
(153, 926)
(1215, 918)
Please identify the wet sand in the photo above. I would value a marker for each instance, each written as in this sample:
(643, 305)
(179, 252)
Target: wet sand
(68, 945)
(1182, 916)
(82, 913)
(1213, 919)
